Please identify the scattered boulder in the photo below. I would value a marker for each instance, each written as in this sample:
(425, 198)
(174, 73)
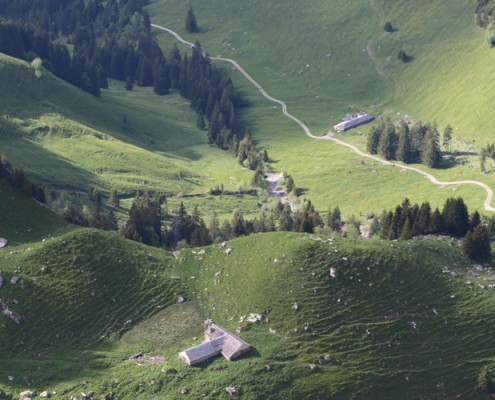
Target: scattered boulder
(16, 318)
(201, 252)
(45, 395)
(333, 272)
(327, 358)
(44, 270)
(272, 331)
(27, 394)
(254, 318)
(184, 391)
(295, 306)
(228, 251)
(313, 367)
(180, 299)
(267, 367)
(14, 280)
(217, 274)
(3, 243)
(137, 355)
(231, 390)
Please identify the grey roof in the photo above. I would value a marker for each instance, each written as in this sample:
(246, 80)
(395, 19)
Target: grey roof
(351, 123)
(217, 340)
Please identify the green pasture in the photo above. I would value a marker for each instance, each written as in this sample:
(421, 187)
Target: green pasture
(446, 82)
(127, 140)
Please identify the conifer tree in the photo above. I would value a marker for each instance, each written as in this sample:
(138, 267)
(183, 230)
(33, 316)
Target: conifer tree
(404, 144)
(191, 23)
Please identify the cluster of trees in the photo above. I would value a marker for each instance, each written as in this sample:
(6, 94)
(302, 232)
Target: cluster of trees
(409, 220)
(419, 144)
(23, 41)
(19, 180)
(107, 36)
(98, 217)
(485, 18)
(146, 219)
(112, 39)
(485, 12)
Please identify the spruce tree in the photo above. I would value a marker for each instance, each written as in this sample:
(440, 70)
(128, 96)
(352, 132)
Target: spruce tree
(447, 137)
(430, 153)
(404, 144)
(191, 23)
(373, 139)
(388, 142)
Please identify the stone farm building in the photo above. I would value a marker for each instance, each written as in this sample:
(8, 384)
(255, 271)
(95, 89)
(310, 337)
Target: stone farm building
(218, 340)
(353, 120)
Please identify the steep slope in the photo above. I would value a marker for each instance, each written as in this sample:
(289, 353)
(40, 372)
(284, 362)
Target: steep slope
(129, 141)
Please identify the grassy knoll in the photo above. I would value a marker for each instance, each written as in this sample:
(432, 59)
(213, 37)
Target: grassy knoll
(393, 324)
(76, 291)
(316, 63)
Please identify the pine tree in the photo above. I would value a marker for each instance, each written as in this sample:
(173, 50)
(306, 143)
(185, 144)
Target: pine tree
(388, 142)
(388, 27)
(475, 220)
(430, 153)
(447, 137)
(476, 244)
(436, 222)
(404, 144)
(290, 185)
(191, 23)
(334, 219)
(483, 161)
(373, 139)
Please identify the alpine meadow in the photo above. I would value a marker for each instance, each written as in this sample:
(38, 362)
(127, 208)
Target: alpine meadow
(254, 200)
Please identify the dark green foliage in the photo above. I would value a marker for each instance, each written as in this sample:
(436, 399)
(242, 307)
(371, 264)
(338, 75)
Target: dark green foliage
(258, 178)
(334, 219)
(191, 23)
(290, 185)
(456, 217)
(388, 27)
(447, 137)
(474, 220)
(409, 220)
(373, 140)
(402, 55)
(430, 152)
(145, 220)
(418, 144)
(388, 142)
(476, 245)
(73, 213)
(485, 12)
(404, 144)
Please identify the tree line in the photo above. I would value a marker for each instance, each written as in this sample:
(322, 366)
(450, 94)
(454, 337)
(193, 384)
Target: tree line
(418, 144)
(112, 39)
(146, 223)
(409, 220)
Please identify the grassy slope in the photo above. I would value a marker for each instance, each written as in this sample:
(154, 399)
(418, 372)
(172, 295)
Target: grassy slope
(66, 138)
(275, 47)
(391, 321)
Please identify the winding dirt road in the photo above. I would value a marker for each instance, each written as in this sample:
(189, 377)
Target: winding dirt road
(307, 131)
